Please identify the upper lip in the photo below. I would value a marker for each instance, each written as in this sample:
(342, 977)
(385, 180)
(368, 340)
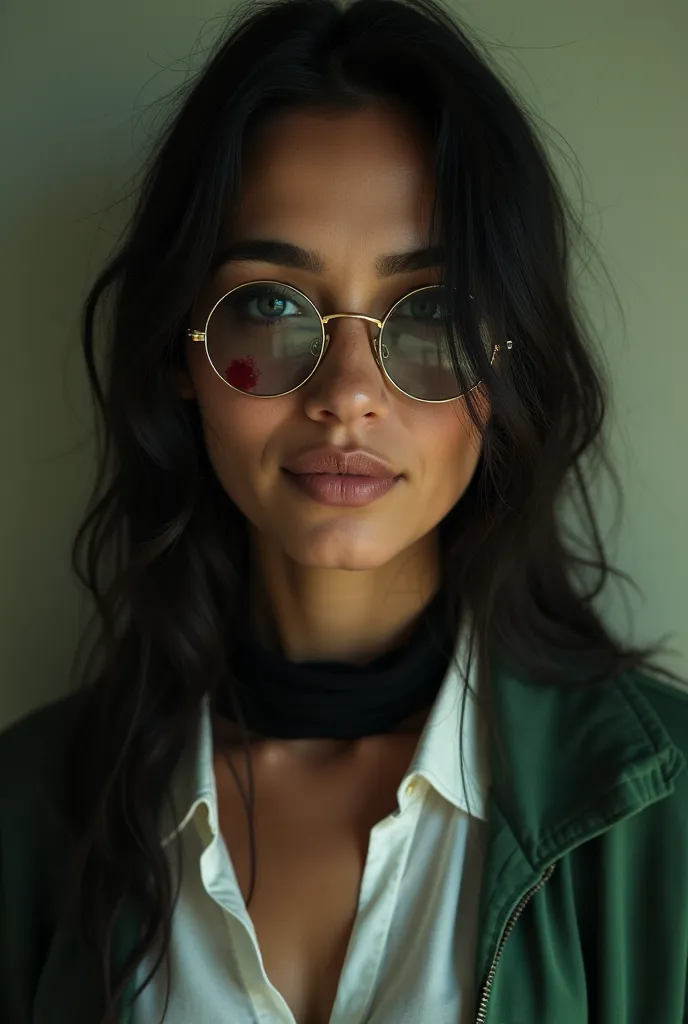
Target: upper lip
(336, 460)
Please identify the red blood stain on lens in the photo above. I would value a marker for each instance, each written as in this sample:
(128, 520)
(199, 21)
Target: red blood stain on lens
(242, 373)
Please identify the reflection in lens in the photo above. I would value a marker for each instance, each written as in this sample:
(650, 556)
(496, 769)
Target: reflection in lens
(415, 348)
(264, 338)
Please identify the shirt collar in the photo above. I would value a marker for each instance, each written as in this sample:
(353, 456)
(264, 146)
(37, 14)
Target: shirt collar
(438, 756)
(193, 782)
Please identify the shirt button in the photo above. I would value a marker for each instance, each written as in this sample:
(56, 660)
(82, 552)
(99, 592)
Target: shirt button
(410, 787)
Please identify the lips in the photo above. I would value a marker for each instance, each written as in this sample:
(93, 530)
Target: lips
(336, 461)
(333, 476)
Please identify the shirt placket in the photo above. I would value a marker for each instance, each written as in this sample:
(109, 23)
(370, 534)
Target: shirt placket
(266, 1002)
(388, 851)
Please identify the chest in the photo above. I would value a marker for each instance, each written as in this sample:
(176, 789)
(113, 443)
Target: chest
(312, 829)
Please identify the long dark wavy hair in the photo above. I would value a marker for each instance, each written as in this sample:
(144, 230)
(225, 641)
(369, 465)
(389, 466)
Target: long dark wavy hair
(162, 547)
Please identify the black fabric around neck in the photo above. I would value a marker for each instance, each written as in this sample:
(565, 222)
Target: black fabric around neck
(339, 700)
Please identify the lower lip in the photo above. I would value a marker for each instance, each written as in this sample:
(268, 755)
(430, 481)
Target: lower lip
(334, 489)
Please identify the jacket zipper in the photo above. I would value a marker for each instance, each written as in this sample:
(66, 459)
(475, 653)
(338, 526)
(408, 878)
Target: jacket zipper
(487, 987)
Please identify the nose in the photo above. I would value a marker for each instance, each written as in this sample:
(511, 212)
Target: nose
(348, 384)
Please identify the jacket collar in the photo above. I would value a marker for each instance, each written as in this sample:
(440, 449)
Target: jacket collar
(574, 759)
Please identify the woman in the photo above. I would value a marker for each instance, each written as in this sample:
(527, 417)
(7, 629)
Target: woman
(354, 744)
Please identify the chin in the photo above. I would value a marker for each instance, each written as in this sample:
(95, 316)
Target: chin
(336, 548)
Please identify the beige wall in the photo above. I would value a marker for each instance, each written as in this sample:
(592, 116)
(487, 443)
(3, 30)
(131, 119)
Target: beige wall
(77, 80)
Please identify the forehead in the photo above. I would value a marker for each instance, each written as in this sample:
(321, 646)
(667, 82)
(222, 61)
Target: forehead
(354, 183)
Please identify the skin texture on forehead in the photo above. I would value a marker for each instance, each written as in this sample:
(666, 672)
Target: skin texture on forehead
(332, 581)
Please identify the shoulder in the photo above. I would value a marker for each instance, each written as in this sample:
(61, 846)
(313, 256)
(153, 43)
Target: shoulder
(33, 756)
(669, 702)
(662, 709)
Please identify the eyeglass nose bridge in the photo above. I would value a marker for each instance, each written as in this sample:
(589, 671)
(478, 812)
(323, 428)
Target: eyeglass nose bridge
(355, 316)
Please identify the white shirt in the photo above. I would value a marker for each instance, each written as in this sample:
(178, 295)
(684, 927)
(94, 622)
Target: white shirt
(410, 958)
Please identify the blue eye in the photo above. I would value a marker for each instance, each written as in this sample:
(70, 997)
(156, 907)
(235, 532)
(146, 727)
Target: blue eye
(269, 304)
(422, 307)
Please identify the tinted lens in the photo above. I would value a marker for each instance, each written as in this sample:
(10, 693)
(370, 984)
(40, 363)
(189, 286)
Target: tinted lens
(415, 349)
(264, 338)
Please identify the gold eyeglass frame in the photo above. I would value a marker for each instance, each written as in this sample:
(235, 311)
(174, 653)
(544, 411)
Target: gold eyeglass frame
(202, 337)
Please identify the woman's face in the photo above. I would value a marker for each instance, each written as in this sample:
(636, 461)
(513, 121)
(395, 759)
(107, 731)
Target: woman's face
(350, 188)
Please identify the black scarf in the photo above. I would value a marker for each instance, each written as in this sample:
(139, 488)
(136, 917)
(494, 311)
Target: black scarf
(339, 700)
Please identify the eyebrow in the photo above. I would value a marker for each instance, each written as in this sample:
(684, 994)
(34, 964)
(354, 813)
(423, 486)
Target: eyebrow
(284, 254)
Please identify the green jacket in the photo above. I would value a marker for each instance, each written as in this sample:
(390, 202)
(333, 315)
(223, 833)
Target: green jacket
(584, 903)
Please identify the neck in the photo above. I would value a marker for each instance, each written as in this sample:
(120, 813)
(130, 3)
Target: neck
(314, 614)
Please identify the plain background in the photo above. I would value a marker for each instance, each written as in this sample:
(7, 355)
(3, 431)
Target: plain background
(78, 84)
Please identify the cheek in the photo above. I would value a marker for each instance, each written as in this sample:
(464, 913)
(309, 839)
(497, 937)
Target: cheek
(451, 446)
(237, 431)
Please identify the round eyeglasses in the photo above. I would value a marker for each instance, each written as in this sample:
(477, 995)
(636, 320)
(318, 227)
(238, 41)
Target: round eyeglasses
(266, 339)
